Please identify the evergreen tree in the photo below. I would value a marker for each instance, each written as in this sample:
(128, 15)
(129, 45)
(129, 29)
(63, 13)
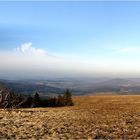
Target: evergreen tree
(36, 100)
(29, 101)
(67, 98)
(60, 100)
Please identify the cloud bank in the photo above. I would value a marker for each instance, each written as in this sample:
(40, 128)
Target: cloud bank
(27, 48)
(26, 61)
(130, 50)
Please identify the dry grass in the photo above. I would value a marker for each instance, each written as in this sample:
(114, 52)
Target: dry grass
(107, 117)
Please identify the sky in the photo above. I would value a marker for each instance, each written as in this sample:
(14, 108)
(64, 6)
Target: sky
(69, 39)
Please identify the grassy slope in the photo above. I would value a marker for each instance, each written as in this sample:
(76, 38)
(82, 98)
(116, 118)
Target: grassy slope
(91, 117)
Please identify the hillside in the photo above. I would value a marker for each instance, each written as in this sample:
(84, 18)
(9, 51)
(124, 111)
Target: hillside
(92, 117)
(77, 86)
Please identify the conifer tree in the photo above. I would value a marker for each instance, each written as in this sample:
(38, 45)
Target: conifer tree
(60, 100)
(67, 98)
(36, 100)
(29, 101)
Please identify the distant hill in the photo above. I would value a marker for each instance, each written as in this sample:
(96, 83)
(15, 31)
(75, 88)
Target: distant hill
(117, 85)
(24, 87)
(78, 87)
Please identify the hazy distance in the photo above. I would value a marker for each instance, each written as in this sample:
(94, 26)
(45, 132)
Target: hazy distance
(69, 39)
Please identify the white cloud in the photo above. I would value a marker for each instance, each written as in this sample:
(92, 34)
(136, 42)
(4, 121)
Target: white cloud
(27, 48)
(30, 61)
(130, 50)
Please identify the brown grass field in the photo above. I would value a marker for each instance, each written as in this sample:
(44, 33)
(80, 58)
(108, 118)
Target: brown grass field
(92, 117)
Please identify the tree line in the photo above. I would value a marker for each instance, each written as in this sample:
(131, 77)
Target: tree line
(8, 99)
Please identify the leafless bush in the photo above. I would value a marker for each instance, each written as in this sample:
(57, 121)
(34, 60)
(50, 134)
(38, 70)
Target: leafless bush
(8, 99)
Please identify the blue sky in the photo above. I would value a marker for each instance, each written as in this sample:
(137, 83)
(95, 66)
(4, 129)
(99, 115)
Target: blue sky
(65, 39)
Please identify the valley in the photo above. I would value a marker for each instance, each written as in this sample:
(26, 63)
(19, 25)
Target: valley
(53, 87)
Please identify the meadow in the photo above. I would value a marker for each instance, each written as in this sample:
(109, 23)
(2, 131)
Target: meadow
(91, 117)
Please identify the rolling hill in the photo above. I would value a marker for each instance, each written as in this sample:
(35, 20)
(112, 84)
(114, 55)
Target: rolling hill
(78, 87)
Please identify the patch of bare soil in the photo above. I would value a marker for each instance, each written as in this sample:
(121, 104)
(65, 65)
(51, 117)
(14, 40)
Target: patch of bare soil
(92, 117)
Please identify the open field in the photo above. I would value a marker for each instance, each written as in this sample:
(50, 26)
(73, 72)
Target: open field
(91, 117)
